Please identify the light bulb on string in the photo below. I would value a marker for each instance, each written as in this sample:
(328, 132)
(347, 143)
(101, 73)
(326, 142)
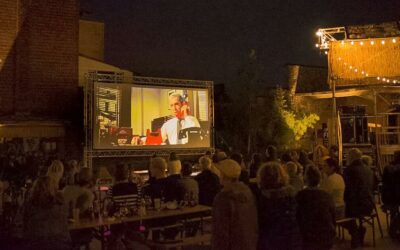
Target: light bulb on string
(372, 42)
(326, 52)
(361, 43)
(393, 40)
(383, 42)
(352, 43)
(378, 78)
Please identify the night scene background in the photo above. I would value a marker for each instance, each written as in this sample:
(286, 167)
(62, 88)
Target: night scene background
(210, 40)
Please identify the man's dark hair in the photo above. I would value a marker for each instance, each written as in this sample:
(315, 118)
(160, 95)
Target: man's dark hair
(333, 164)
(237, 157)
(121, 172)
(186, 168)
(271, 153)
(313, 176)
(286, 157)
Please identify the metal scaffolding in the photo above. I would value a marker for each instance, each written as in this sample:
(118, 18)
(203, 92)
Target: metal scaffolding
(118, 78)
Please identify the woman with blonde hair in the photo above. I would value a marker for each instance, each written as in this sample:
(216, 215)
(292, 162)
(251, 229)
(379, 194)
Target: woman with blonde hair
(56, 171)
(278, 228)
(46, 217)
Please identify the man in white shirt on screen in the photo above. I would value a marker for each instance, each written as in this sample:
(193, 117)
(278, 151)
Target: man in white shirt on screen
(170, 129)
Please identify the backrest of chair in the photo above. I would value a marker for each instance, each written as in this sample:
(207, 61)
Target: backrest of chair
(130, 200)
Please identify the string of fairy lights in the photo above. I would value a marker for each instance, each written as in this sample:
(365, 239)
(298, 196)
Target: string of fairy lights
(359, 70)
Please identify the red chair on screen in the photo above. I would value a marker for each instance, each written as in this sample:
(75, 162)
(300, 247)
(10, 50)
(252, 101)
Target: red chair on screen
(153, 138)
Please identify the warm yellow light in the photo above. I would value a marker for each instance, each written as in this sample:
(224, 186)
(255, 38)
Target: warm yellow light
(383, 42)
(326, 52)
(342, 42)
(366, 74)
(378, 78)
(351, 67)
(363, 72)
(388, 80)
(340, 58)
(319, 33)
(317, 45)
(352, 43)
(394, 81)
(383, 79)
(345, 63)
(356, 70)
(372, 42)
(361, 43)
(393, 40)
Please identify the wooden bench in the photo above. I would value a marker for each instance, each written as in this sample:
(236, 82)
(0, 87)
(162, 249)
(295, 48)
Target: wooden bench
(188, 241)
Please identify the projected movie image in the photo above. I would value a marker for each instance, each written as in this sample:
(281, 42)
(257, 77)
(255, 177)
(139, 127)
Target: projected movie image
(141, 117)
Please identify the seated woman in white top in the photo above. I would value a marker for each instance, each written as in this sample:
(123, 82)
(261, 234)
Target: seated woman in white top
(334, 185)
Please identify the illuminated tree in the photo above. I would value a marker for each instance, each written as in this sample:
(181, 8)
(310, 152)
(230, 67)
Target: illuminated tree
(297, 122)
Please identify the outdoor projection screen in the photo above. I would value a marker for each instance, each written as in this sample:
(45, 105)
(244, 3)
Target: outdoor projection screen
(129, 116)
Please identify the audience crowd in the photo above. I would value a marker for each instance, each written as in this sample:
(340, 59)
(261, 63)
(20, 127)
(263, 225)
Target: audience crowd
(287, 202)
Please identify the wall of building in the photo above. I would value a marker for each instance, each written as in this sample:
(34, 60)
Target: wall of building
(39, 53)
(91, 39)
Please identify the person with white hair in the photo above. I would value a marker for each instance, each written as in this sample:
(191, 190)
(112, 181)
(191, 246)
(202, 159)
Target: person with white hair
(234, 211)
(358, 193)
(170, 130)
(208, 182)
(174, 189)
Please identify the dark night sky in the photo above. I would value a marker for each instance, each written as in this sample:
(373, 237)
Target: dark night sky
(210, 39)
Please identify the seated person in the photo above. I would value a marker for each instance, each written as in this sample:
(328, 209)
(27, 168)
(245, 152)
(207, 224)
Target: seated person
(334, 185)
(124, 192)
(315, 213)
(80, 191)
(190, 186)
(170, 129)
(45, 217)
(157, 183)
(80, 196)
(208, 182)
(174, 190)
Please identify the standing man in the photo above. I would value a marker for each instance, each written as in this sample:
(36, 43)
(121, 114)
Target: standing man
(170, 129)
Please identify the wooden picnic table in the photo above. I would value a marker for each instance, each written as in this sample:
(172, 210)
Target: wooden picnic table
(151, 215)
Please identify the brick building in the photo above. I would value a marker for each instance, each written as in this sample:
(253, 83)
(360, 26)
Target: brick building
(39, 93)
(39, 57)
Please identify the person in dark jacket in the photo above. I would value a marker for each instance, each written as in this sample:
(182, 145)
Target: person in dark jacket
(208, 182)
(244, 175)
(358, 195)
(256, 162)
(315, 214)
(157, 186)
(174, 190)
(271, 154)
(278, 228)
(46, 217)
(391, 194)
(234, 212)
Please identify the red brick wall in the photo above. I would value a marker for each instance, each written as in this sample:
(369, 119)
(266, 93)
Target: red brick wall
(8, 30)
(43, 59)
